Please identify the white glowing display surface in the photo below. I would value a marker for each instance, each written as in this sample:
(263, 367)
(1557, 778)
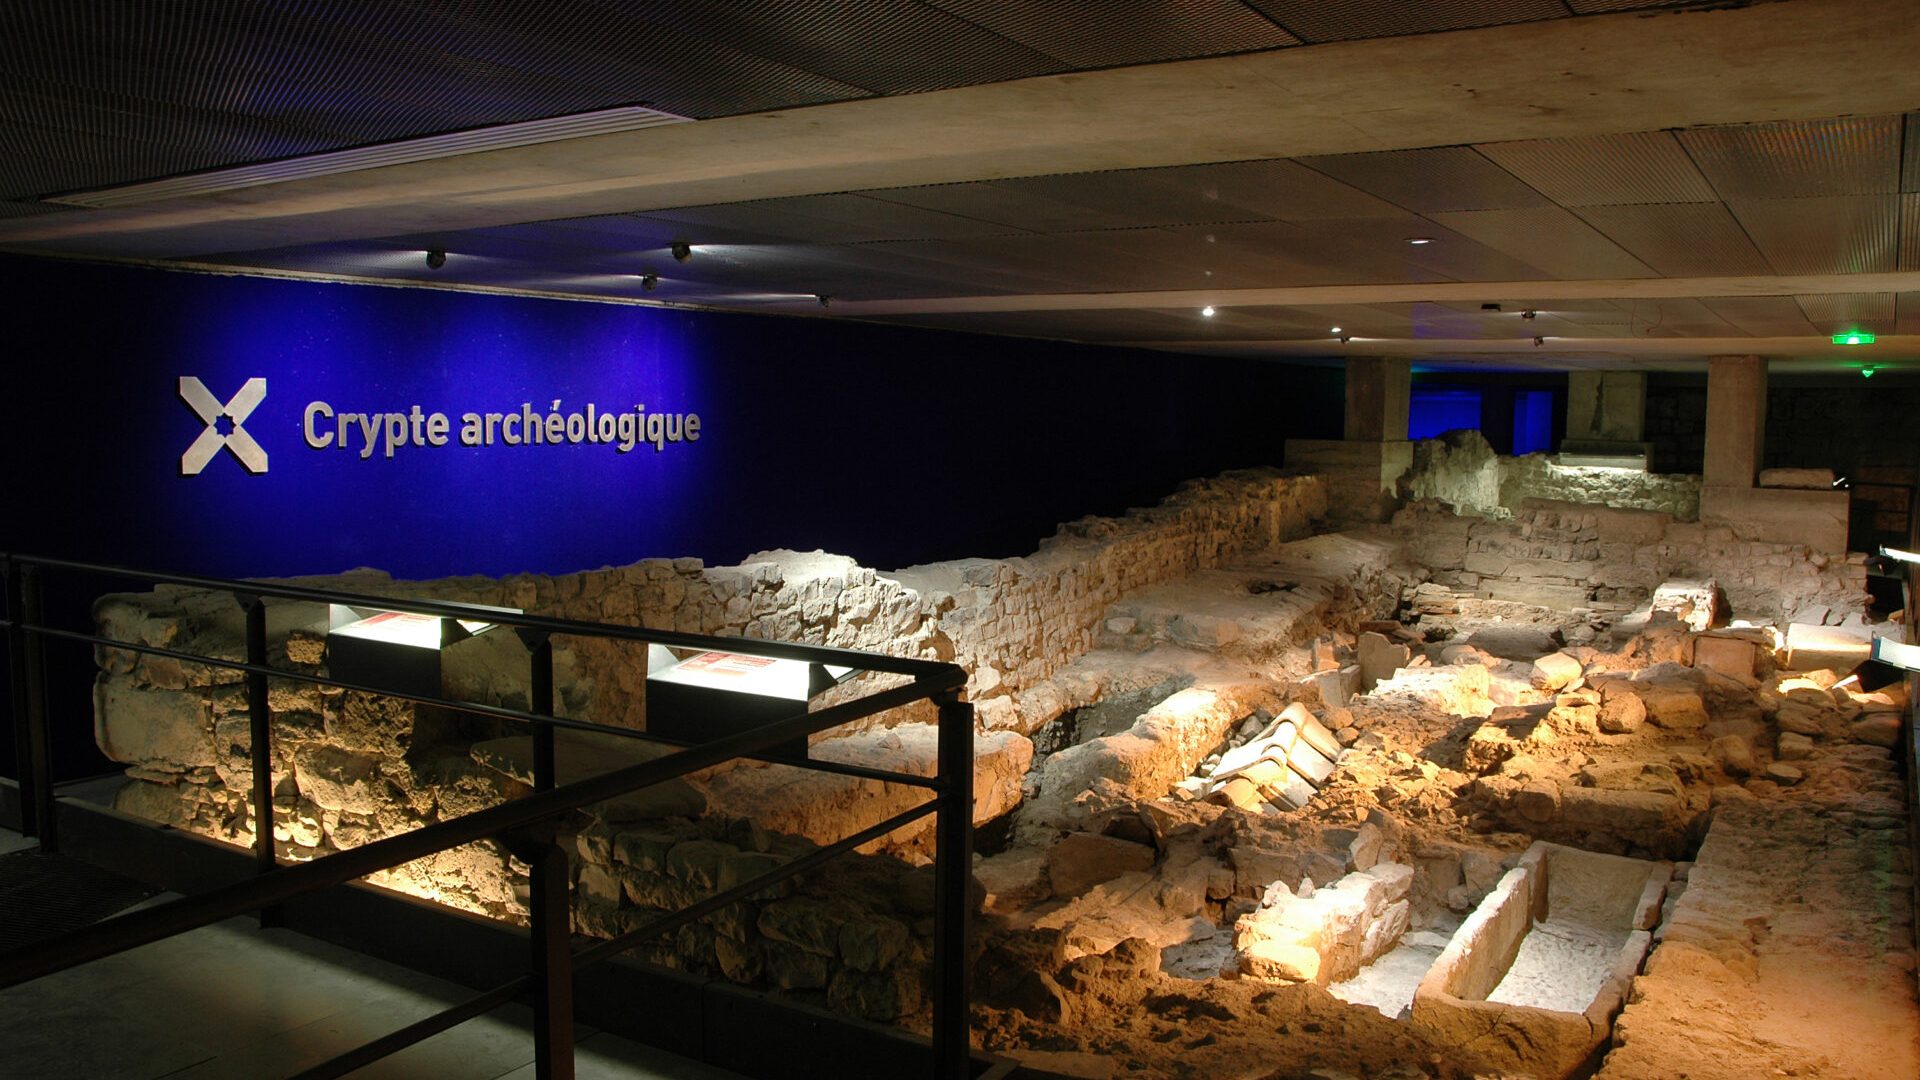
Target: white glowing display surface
(1888, 651)
(762, 675)
(404, 628)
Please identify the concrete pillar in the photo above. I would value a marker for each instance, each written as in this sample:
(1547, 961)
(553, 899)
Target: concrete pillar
(1736, 421)
(1378, 391)
(1736, 445)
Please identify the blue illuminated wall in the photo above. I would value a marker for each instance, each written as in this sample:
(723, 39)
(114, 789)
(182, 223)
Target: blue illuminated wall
(1432, 411)
(892, 445)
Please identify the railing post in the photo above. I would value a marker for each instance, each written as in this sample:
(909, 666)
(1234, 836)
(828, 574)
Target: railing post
(952, 880)
(551, 916)
(260, 742)
(17, 689)
(30, 691)
(540, 700)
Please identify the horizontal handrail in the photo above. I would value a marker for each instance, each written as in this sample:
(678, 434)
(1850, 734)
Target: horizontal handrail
(276, 886)
(526, 825)
(496, 712)
(780, 650)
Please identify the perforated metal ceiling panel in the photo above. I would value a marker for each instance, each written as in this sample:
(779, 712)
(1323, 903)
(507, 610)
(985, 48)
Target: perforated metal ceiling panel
(1842, 234)
(1315, 20)
(1133, 33)
(1761, 316)
(827, 219)
(1285, 190)
(1548, 237)
(1443, 178)
(1597, 7)
(1680, 239)
(1645, 167)
(883, 46)
(1836, 312)
(1910, 232)
(1910, 171)
(1847, 156)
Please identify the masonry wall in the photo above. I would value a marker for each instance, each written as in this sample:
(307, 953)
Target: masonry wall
(1568, 555)
(350, 768)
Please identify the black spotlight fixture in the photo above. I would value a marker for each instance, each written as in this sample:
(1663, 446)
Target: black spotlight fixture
(436, 259)
(1539, 341)
(1527, 314)
(649, 281)
(682, 251)
(823, 298)
(1344, 339)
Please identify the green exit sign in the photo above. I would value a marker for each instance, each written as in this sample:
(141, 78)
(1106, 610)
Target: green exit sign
(1853, 337)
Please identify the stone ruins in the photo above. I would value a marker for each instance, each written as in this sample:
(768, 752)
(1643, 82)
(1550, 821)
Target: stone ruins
(1542, 776)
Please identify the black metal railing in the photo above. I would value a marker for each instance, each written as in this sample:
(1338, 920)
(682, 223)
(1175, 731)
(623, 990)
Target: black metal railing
(526, 825)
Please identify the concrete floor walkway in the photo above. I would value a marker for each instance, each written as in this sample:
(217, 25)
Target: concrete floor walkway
(234, 1002)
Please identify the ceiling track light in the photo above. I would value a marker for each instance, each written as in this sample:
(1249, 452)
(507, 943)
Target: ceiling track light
(682, 251)
(436, 259)
(1528, 314)
(1207, 311)
(1539, 341)
(823, 298)
(1416, 241)
(1344, 339)
(649, 282)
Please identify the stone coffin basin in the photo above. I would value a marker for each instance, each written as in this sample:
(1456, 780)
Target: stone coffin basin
(1533, 978)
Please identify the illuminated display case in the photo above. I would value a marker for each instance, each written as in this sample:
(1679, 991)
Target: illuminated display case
(702, 696)
(397, 650)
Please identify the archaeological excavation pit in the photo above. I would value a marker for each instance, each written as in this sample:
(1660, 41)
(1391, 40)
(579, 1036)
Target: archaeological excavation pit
(1243, 786)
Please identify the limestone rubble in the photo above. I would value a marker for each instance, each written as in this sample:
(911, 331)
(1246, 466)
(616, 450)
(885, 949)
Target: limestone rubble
(1237, 786)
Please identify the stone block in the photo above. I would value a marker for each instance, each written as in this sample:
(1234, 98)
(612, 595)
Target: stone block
(1557, 671)
(1676, 708)
(806, 923)
(1082, 860)
(1015, 879)
(1622, 713)
(1379, 658)
(1730, 656)
(1641, 814)
(166, 729)
(1877, 729)
(1538, 801)
(1734, 755)
(873, 942)
(1808, 479)
(1793, 747)
(1815, 519)
(337, 779)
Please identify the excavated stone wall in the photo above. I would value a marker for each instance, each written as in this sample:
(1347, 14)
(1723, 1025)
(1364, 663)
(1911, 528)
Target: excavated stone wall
(1461, 470)
(1570, 556)
(349, 768)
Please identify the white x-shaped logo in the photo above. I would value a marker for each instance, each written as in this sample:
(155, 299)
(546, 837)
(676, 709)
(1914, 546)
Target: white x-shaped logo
(209, 409)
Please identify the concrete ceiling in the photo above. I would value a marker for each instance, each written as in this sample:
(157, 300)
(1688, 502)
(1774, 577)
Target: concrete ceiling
(1640, 188)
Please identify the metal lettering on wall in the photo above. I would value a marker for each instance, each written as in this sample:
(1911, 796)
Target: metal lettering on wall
(211, 411)
(324, 428)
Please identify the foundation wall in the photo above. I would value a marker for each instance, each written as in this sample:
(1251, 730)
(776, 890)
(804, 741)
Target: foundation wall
(1568, 556)
(349, 768)
(1461, 470)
